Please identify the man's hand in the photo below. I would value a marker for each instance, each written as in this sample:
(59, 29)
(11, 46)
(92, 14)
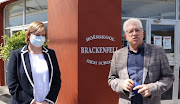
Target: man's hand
(144, 90)
(128, 85)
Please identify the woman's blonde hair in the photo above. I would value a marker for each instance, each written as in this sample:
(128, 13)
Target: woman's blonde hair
(35, 27)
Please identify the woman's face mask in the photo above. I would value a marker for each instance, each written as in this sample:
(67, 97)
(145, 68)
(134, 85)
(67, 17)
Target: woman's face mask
(37, 41)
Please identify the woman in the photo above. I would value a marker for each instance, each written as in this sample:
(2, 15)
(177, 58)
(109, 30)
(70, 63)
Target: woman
(33, 75)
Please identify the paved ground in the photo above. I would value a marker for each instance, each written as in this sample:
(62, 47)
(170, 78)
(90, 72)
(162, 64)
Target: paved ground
(4, 95)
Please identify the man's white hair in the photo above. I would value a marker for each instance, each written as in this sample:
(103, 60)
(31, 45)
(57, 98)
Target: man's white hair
(132, 21)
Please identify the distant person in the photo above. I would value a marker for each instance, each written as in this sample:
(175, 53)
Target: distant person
(140, 72)
(33, 75)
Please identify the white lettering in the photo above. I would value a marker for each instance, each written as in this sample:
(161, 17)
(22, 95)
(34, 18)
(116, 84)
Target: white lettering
(98, 62)
(89, 50)
(106, 37)
(82, 49)
(86, 50)
(91, 62)
(104, 62)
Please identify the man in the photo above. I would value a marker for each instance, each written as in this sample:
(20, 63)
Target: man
(140, 72)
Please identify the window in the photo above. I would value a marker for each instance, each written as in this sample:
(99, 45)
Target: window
(149, 8)
(36, 10)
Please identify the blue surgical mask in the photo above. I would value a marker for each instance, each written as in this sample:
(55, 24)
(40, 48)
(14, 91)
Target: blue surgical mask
(37, 41)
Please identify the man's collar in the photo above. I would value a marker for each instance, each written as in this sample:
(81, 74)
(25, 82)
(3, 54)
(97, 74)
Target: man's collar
(140, 48)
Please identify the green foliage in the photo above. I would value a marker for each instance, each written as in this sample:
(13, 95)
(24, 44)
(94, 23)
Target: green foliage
(16, 41)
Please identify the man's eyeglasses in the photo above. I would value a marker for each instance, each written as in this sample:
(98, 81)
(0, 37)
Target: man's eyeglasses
(138, 30)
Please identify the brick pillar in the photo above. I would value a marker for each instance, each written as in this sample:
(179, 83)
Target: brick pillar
(1, 41)
(84, 33)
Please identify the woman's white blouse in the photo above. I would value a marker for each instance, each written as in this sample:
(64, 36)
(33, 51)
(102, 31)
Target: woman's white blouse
(40, 75)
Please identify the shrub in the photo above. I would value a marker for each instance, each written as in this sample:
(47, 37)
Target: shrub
(17, 40)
